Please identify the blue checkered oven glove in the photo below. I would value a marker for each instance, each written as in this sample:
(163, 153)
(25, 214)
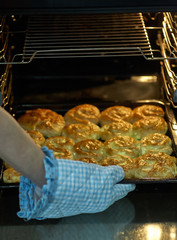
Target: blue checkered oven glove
(72, 188)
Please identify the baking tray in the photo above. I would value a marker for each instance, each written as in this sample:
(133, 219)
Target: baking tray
(62, 108)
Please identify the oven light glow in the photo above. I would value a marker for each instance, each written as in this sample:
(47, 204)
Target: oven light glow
(153, 232)
(144, 78)
(172, 233)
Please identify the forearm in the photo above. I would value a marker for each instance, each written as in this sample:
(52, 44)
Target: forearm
(19, 150)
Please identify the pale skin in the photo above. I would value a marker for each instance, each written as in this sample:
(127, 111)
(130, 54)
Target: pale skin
(19, 150)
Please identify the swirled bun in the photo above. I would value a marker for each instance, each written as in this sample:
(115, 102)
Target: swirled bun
(155, 166)
(147, 111)
(123, 145)
(63, 153)
(89, 148)
(149, 125)
(10, 175)
(156, 142)
(120, 127)
(46, 121)
(79, 131)
(114, 113)
(38, 138)
(58, 142)
(62, 146)
(82, 114)
(87, 160)
(127, 163)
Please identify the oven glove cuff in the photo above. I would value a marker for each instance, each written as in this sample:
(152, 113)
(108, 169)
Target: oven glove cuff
(72, 188)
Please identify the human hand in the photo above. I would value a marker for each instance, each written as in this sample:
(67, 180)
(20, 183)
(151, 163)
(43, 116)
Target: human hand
(75, 187)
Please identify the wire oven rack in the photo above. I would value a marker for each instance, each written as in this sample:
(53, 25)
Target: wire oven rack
(6, 96)
(79, 36)
(87, 36)
(94, 35)
(5, 72)
(168, 46)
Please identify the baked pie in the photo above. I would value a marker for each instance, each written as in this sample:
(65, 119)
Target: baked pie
(155, 166)
(114, 113)
(46, 121)
(123, 145)
(147, 110)
(156, 142)
(149, 125)
(83, 113)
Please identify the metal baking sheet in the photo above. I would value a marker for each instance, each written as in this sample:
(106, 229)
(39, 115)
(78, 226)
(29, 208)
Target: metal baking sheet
(62, 108)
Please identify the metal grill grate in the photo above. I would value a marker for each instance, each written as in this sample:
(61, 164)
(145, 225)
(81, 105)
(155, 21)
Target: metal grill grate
(168, 46)
(77, 36)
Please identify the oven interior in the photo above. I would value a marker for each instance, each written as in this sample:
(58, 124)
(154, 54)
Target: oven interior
(88, 58)
(60, 61)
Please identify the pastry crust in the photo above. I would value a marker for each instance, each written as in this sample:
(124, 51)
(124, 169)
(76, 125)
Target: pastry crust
(82, 114)
(62, 146)
(87, 160)
(120, 127)
(149, 125)
(155, 166)
(58, 142)
(63, 153)
(127, 163)
(147, 111)
(46, 121)
(10, 175)
(156, 142)
(79, 131)
(91, 148)
(114, 113)
(123, 145)
(38, 138)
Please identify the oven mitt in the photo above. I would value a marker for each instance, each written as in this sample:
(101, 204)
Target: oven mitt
(72, 188)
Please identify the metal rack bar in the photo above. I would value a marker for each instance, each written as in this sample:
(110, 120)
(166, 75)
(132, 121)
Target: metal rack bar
(6, 87)
(83, 36)
(94, 35)
(168, 47)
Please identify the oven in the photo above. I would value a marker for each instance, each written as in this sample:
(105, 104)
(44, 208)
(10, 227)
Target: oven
(59, 54)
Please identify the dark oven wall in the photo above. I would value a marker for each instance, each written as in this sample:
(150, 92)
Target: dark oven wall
(80, 6)
(88, 75)
(86, 80)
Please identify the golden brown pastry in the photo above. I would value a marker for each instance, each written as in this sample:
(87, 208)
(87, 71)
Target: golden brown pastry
(10, 175)
(38, 138)
(63, 153)
(87, 160)
(79, 131)
(62, 146)
(89, 148)
(149, 125)
(120, 127)
(155, 166)
(123, 145)
(127, 163)
(46, 121)
(156, 142)
(82, 114)
(114, 113)
(147, 111)
(58, 142)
